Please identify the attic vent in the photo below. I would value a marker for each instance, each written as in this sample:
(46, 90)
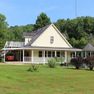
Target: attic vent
(52, 39)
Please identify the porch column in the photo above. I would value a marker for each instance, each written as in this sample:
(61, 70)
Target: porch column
(4, 56)
(90, 53)
(32, 53)
(23, 55)
(44, 56)
(75, 53)
(55, 54)
(85, 54)
(82, 54)
(65, 56)
(20, 55)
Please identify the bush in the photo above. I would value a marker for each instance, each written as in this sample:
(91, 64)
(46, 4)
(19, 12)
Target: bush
(1, 59)
(10, 53)
(33, 68)
(52, 63)
(89, 61)
(77, 62)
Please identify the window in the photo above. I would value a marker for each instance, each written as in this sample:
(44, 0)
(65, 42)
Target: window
(40, 53)
(72, 54)
(27, 53)
(53, 54)
(49, 53)
(52, 39)
(45, 53)
(58, 54)
(62, 54)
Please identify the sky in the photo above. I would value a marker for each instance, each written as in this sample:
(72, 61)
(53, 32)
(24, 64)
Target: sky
(22, 12)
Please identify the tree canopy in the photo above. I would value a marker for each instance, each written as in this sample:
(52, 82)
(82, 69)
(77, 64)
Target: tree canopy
(78, 31)
(42, 20)
(3, 30)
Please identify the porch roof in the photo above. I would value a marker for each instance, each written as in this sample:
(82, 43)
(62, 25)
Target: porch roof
(14, 44)
(44, 48)
(88, 47)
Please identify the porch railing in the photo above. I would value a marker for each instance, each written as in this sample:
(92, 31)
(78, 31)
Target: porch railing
(35, 59)
(27, 59)
(42, 60)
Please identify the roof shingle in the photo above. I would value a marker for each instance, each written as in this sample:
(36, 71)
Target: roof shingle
(88, 47)
(35, 34)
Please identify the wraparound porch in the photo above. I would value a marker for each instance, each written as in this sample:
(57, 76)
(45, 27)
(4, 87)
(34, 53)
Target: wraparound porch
(40, 55)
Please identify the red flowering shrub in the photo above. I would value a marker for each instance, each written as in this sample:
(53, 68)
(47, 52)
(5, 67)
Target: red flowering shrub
(89, 61)
(77, 62)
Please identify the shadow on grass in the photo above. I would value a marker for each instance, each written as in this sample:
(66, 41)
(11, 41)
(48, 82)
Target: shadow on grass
(73, 68)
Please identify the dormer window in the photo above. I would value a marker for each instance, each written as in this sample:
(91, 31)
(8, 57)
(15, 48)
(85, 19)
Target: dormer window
(52, 39)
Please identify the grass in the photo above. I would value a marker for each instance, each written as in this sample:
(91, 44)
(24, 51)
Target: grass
(17, 80)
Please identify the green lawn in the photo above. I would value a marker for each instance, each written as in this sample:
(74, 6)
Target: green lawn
(15, 79)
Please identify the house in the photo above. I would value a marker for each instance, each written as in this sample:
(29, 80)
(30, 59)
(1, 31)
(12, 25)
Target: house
(39, 46)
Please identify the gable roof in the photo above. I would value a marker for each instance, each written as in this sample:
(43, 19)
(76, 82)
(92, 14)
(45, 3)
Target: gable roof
(88, 47)
(35, 34)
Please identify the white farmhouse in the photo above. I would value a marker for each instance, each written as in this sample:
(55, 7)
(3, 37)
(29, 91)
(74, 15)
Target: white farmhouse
(39, 46)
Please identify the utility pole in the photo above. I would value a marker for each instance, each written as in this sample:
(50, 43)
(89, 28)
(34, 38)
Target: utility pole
(75, 8)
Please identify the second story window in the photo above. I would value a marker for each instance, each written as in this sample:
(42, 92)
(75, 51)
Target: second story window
(52, 39)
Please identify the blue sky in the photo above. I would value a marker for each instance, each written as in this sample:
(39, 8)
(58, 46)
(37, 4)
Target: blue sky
(22, 12)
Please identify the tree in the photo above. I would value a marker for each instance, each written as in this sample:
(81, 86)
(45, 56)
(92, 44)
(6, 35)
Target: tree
(60, 25)
(16, 33)
(42, 20)
(27, 28)
(3, 30)
(78, 30)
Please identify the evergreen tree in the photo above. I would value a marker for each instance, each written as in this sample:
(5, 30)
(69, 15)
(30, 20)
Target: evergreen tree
(42, 20)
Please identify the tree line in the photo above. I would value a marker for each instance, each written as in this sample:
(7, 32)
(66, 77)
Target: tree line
(78, 31)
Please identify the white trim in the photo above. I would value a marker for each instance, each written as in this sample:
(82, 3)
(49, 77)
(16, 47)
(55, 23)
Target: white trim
(61, 35)
(45, 48)
(65, 56)
(4, 57)
(75, 53)
(55, 53)
(44, 56)
(32, 55)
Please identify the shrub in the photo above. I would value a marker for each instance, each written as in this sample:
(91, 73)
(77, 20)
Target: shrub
(1, 59)
(59, 60)
(52, 62)
(77, 62)
(33, 68)
(64, 64)
(10, 53)
(89, 61)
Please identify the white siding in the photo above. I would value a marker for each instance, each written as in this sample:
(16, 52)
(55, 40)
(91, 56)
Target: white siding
(44, 39)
